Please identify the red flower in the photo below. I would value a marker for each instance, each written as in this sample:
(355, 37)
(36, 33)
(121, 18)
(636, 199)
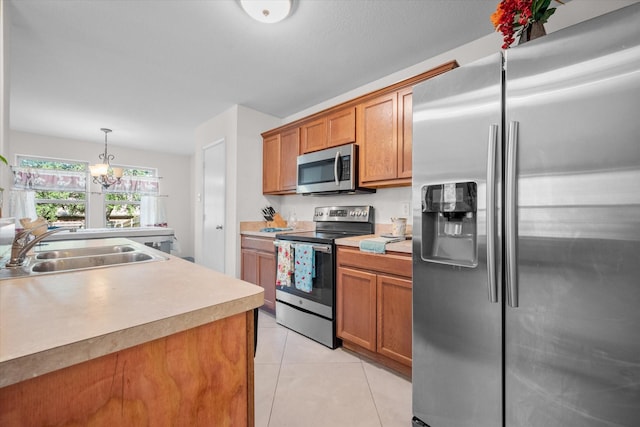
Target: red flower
(513, 16)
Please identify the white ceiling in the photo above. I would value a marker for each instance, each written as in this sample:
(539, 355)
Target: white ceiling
(154, 70)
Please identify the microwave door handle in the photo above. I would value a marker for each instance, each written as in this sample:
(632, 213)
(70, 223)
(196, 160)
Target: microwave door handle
(335, 168)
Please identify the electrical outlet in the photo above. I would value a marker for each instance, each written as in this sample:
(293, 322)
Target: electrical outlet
(405, 209)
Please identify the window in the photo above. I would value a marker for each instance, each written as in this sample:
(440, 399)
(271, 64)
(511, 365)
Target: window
(62, 193)
(122, 200)
(60, 188)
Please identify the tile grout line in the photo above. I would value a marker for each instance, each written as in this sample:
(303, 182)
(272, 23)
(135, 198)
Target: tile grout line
(275, 390)
(373, 398)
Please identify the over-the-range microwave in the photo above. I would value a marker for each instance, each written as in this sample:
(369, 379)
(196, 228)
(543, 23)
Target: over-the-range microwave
(330, 171)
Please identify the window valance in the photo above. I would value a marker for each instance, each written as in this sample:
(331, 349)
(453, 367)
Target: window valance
(48, 180)
(136, 184)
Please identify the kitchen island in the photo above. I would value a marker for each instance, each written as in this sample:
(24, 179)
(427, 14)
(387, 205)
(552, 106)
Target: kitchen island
(154, 343)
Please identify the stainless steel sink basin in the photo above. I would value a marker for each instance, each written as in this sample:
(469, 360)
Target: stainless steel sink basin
(78, 258)
(82, 252)
(65, 264)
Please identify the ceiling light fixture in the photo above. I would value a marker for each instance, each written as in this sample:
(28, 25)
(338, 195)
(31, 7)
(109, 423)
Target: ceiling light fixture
(267, 11)
(102, 173)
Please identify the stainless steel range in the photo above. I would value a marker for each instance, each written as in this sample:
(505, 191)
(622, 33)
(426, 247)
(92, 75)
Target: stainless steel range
(306, 298)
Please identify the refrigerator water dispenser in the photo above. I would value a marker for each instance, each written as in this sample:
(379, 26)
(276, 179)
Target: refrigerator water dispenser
(449, 226)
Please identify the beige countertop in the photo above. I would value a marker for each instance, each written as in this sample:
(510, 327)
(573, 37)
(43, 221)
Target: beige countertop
(49, 322)
(252, 228)
(249, 228)
(404, 246)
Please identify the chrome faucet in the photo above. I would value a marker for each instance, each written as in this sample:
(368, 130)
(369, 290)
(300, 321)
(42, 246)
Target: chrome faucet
(21, 244)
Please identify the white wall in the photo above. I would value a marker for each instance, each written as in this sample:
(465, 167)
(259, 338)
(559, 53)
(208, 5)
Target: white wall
(4, 89)
(175, 171)
(240, 127)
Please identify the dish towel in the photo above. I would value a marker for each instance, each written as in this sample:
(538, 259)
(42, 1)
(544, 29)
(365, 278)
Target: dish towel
(283, 275)
(305, 267)
(377, 245)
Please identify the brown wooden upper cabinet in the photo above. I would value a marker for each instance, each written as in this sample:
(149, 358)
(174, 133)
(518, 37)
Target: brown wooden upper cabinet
(334, 129)
(314, 135)
(279, 156)
(405, 133)
(384, 138)
(380, 123)
(341, 127)
(271, 164)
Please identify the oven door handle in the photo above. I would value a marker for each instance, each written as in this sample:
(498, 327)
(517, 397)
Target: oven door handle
(318, 248)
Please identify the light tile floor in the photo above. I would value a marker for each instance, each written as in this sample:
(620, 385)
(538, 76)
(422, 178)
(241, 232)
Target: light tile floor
(299, 382)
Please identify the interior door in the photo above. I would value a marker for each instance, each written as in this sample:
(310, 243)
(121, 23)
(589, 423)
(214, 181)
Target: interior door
(214, 202)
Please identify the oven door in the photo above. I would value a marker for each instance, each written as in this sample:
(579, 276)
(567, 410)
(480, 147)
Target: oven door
(329, 170)
(320, 298)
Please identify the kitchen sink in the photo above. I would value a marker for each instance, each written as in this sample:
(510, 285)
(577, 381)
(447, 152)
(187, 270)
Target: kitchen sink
(84, 262)
(82, 252)
(79, 258)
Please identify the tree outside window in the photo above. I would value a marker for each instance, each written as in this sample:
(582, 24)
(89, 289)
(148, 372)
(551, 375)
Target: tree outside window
(49, 179)
(122, 205)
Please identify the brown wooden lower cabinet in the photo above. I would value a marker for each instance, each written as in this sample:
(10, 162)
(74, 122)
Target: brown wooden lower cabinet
(374, 306)
(200, 377)
(258, 260)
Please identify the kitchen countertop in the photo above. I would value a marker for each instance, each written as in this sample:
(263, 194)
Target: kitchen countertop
(49, 322)
(252, 228)
(103, 233)
(354, 241)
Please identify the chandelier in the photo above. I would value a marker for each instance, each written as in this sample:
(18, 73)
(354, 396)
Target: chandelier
(102, 173)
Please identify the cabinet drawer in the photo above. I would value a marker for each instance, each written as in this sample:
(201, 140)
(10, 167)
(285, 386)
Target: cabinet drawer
(258, 243)
(399, 265)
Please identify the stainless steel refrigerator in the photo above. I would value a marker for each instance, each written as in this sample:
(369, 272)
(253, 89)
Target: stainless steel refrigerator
(526, 234)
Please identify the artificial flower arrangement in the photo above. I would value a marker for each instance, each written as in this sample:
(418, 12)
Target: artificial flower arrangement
(513, 17)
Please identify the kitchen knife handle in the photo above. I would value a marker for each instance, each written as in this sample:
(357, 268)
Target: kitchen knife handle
(511, 199)
(492, 281)
(335, 168)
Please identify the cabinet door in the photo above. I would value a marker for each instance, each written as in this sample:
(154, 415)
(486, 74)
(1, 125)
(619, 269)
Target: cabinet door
(271, 164)
(314, 135)
(405, 132)
(289, 150)
(394, 318)
(266, 266)
(378, 139)
(341, 127)
(356, 307)
(248, 260)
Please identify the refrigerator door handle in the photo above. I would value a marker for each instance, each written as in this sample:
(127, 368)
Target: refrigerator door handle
(510, 215)
(491, 213)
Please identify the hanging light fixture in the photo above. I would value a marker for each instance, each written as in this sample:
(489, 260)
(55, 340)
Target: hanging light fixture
(102, 173)
(267, 11)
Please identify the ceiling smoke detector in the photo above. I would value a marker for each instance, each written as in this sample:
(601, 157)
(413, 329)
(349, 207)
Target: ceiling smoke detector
(267, 11)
